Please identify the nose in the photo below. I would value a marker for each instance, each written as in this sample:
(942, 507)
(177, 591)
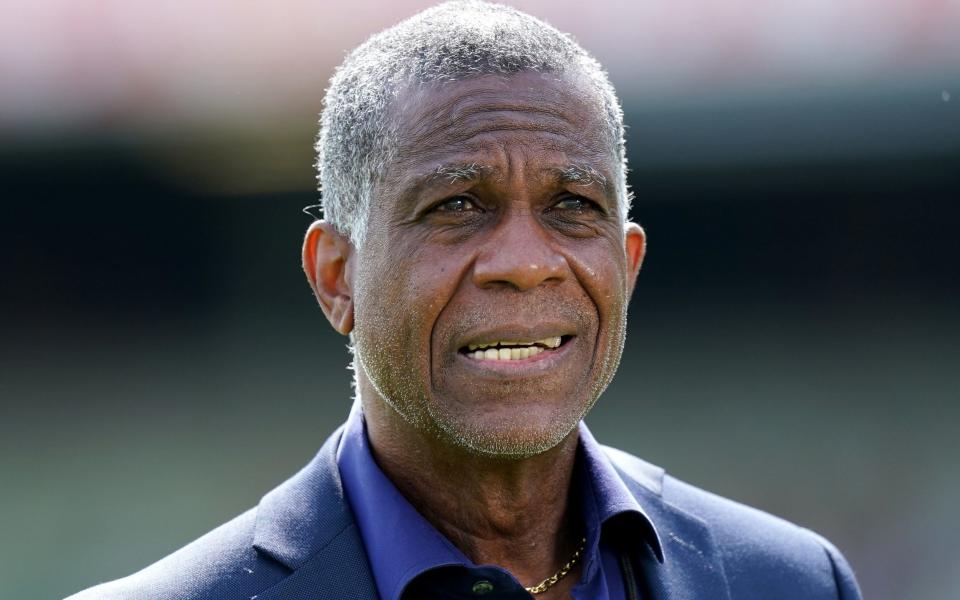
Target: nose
(519, 254)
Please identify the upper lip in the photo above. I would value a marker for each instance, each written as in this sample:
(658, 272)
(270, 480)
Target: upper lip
(515, 333)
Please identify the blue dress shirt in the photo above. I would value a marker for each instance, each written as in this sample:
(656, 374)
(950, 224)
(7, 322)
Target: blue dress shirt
(411, 559)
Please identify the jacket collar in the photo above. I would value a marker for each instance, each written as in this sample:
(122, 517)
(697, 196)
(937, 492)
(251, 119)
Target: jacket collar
(690, 567)
(306, 525)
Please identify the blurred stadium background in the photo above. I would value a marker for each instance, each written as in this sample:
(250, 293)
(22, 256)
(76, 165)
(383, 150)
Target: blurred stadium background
(794, 339)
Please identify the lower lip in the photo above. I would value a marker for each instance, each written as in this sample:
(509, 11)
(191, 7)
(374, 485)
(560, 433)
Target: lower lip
(541, 362)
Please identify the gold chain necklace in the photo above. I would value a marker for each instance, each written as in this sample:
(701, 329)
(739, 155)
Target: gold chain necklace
(549, 582)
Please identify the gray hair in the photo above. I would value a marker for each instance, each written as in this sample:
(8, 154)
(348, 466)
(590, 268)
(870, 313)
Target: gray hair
(449, 42)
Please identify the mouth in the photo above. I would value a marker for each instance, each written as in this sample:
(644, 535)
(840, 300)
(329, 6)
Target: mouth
(490, 351)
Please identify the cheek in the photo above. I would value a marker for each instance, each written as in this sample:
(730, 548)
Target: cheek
(601, 269)
(396, 309)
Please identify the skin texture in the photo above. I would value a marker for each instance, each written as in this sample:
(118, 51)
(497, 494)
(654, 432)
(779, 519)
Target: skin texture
(497, 220)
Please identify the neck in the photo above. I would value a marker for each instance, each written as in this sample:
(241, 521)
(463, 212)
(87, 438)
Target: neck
(512, 512)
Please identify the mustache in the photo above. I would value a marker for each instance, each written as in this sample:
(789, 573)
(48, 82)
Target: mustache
(529, 308)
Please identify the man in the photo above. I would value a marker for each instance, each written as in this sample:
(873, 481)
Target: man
(477, 252)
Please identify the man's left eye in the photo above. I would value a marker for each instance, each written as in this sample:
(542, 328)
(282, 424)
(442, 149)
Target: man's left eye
(575, 203)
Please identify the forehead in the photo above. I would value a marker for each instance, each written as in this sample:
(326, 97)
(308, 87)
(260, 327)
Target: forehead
(555, 117)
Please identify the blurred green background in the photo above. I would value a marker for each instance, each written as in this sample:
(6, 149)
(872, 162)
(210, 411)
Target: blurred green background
(794, 340)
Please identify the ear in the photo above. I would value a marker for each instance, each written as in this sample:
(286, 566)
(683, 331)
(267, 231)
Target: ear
(635, 243)
(326, 262)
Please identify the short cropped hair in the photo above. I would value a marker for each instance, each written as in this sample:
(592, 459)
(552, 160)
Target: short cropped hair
(449, 42)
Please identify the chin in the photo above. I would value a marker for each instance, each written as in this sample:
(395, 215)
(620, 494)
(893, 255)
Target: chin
(521, 433)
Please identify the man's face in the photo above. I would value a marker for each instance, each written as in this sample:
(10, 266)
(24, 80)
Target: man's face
(491, 293)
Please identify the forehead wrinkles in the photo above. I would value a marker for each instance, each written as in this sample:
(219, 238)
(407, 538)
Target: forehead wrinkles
(474, 154)
(449, 115)
(460, 118)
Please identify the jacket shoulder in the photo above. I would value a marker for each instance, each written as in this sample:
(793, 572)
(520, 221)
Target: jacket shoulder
(221, 564)
(758, 551)
(762, 551)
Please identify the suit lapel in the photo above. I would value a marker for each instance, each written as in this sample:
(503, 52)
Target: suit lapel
(690, 568)
(340, 571)
(306, 525)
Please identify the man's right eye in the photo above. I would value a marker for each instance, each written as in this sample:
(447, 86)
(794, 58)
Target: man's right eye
(457, 204)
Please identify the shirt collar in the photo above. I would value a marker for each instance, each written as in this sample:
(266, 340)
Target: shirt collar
(606, 497)
(401, 544)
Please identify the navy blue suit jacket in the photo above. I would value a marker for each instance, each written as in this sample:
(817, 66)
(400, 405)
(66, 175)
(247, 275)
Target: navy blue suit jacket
(301, 543)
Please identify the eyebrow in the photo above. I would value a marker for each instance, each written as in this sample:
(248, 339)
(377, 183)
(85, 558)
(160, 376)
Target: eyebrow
(576, 174)
(582, 175)
(456, 173)
(473, 172)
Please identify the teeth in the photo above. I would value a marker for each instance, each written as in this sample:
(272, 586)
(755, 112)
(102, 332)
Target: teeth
(506, 353)
(550, 342)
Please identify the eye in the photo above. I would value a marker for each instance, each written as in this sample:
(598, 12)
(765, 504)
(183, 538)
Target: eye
(575, 204)
(457, 204)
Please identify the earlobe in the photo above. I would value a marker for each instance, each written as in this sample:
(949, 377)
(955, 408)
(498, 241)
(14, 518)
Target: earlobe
(635, 244)
(326, 256)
